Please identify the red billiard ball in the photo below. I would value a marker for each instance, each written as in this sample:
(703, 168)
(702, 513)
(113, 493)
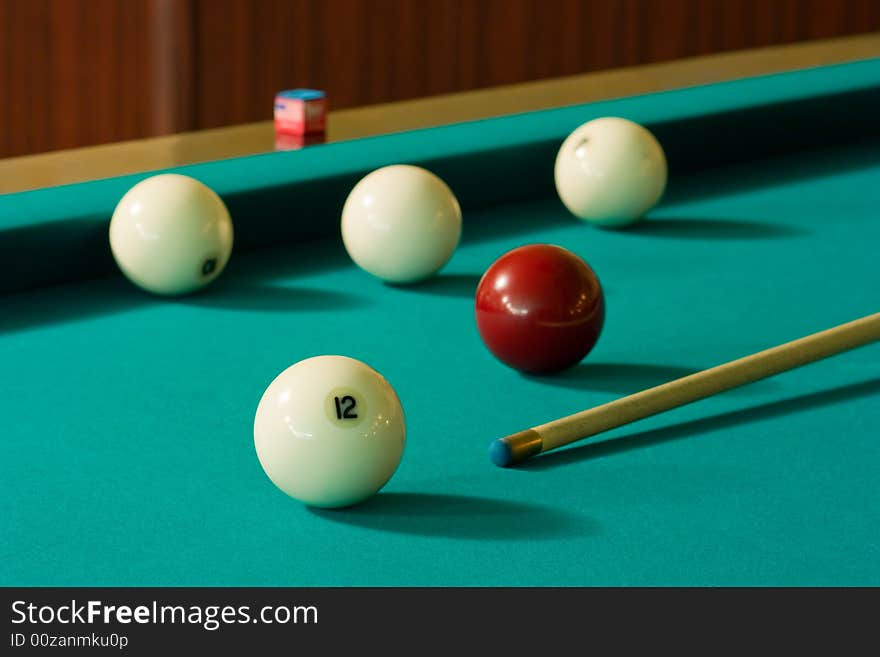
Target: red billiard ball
(540, 308)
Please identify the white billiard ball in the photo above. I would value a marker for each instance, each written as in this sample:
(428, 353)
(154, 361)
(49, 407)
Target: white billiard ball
(171, 234)
(610, 171)
(329, 431)
(401, 223)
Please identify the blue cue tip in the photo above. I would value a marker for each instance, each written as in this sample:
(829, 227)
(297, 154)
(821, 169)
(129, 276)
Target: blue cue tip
(500, 453)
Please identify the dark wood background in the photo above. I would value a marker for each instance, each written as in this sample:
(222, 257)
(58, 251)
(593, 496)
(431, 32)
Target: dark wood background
(79, 72)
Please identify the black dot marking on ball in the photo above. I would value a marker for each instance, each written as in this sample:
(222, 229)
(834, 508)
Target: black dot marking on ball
(209, 266)
(583, 142)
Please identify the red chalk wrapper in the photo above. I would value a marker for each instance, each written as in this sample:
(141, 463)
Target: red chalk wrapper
(289, 142)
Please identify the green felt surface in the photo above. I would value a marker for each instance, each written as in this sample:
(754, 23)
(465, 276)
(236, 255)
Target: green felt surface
(126, 455)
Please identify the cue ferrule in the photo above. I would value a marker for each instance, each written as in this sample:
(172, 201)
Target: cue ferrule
(516, 447)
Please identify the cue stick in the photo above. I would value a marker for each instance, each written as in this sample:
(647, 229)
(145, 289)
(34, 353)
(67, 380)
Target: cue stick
(522, 445)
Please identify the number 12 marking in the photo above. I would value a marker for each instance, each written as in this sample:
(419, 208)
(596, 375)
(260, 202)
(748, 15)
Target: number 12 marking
(345, 408)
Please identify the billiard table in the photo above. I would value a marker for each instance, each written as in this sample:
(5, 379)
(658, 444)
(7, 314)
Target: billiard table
(127, 453)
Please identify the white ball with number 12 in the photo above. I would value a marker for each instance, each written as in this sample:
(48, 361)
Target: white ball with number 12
(329, 431)
(610, 171)
(401, 223)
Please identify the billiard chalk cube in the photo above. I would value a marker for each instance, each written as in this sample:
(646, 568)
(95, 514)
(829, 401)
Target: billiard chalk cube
(300, 112)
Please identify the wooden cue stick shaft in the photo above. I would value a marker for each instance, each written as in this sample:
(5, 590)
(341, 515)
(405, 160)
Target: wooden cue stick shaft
(695, 386)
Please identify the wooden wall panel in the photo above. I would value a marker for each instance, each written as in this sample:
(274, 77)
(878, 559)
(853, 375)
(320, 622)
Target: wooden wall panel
(73, 73)
(168, 91)
(370, 51)
(76, 72)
